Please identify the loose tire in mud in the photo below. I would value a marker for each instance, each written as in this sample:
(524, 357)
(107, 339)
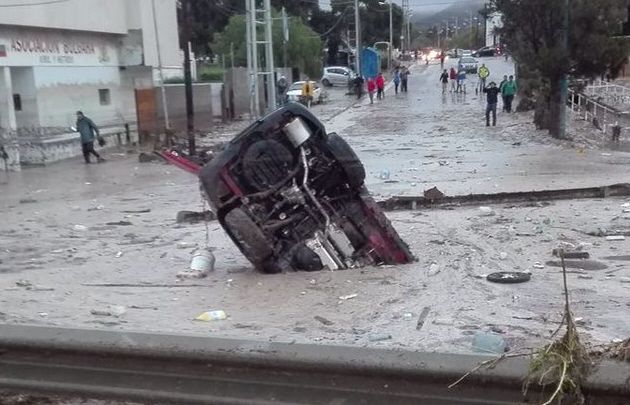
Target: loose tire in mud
(509, 277)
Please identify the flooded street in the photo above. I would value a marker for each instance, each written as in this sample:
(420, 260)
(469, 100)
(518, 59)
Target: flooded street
(98, 246)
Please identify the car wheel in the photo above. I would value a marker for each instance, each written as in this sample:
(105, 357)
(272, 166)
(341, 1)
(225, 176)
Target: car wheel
(347, 159)
(249, 237)
(326, 83)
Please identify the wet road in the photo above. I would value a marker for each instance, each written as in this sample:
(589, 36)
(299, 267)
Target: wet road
(424, 138)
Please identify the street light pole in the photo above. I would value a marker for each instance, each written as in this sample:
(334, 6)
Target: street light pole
(357, 28)
(391, 35)
(391, 32)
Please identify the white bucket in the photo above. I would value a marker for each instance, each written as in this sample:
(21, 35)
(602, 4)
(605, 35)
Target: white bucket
(203, 261)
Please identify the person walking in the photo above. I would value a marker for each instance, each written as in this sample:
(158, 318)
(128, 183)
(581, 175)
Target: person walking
(307, 92)
(86, 128)
(483, 74)
(509, 91)
(442, 58)
(358, 86)
(404, 74)
(453, 77)
(492, 92)
(505, 80)
(461, 81)
(380, 86)
(371, 88)
(282, 86)
(396, 79)
(444, 80)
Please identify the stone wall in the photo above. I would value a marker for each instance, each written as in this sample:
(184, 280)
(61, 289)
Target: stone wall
(8, 143)
(42, 150)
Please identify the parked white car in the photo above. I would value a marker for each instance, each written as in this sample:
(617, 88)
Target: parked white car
(295, 92)
(337, 76)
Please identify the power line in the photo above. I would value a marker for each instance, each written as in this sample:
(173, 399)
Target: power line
(40, 3)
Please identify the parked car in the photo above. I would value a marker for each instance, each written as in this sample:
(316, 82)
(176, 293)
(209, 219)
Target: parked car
(487, 51)
(469, 64)
(466, 52)
(292, 198)
(337, 76)
(294, 93)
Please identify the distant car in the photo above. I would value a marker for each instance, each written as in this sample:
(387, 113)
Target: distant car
(486, 51)
(295, 92)
(466, 52)
(337, 76)
(469, 64)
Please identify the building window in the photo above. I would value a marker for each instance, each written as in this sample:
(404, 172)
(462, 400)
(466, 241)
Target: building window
(104, 96)
(17, 102)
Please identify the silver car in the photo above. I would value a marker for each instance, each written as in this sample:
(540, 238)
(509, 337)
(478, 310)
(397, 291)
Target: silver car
(469, 64)
(337, 76)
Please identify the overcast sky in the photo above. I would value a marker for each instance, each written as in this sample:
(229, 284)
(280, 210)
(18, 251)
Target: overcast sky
(418, 6)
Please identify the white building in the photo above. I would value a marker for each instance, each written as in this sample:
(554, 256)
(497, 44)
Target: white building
(493, 23)
(61, 56)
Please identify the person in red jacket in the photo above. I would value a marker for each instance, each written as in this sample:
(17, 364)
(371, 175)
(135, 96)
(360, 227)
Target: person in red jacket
(380, 86)
(453, 77)
(371, 88)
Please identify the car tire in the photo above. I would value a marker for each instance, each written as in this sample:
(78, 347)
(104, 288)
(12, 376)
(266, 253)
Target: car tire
(347, 159)
(326, 83)
(509, 277)
(249, 237)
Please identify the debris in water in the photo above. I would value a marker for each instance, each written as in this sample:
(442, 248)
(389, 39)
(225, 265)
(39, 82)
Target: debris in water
(488, 343)
(209, 316)
(379, 337)
(615, 237)
(422, 317)
(111, 310)
(323, 320)
(486, 211)
(348, 297)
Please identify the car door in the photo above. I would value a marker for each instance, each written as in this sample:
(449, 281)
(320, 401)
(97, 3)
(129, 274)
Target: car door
(340, 77)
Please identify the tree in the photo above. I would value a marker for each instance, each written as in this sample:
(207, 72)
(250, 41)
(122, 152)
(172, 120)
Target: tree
(304, 48)
(533, 32)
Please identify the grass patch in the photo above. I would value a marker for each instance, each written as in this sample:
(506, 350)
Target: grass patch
(211, 73)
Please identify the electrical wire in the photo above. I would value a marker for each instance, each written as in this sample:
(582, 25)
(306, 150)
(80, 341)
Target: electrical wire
(39, 3)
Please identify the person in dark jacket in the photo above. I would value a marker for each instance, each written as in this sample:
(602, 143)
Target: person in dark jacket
(492, 92)
(444, 81)
(86, 128)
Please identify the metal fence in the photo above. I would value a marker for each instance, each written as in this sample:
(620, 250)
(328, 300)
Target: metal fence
(610, 94)
(603, 117)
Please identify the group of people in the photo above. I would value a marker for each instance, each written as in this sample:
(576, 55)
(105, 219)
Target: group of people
(376, 85)
(457, 78)
(507, 88)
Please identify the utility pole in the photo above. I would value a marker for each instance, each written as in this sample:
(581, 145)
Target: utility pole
(254, 46)
(564, 90)
(285, 36)
(167, 123)
(250, 74)
(271, 77)
(357, 23)
(190, 114)
(403, 25)
(391, 35)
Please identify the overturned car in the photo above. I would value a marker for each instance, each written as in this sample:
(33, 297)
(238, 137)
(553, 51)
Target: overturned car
(292, 198)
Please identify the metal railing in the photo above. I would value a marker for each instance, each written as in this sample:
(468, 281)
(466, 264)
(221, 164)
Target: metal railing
(603, 117)
(611, 94)
(151, 368)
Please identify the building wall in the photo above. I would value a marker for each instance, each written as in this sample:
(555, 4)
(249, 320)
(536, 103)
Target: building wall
(23, 81)
(95, 15)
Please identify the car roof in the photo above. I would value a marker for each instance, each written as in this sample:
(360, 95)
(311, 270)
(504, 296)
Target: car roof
(337, 67)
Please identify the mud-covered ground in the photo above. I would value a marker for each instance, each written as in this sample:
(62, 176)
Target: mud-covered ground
(79, 241)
